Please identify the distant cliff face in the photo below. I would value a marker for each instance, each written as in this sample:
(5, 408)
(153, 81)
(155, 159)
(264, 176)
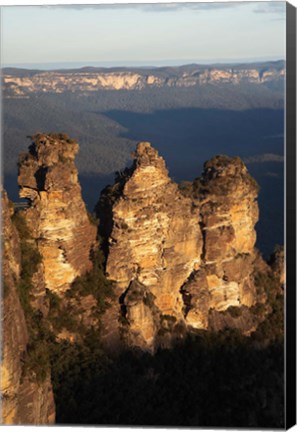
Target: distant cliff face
(24, 400)
(57, 214)
(174, 256)
(92, 80)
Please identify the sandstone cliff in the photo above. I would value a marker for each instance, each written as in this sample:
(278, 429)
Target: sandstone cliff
(180, 259)
(155, 243)
(53, 246)
(226, 196)
(24, 399)
(57, 214)
(20, 85)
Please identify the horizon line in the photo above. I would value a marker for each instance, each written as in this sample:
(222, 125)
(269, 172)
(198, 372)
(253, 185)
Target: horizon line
(51, 66)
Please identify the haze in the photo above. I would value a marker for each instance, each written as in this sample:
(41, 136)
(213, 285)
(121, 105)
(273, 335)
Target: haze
(155, 34)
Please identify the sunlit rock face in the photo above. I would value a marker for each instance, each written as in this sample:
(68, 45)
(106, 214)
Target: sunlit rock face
(155, 238)
(229, 209)
(57, 215)
(227, 198)
(23, 400)
(178, 255)
(91, 81)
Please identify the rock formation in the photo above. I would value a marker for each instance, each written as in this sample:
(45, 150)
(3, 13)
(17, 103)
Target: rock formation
(181, 259)
(57, 214)
(56, 246)
(155, 242)
(226, 196)
(24, 400)
(176, 257)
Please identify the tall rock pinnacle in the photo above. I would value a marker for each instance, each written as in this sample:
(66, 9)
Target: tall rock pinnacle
(154, 245)
(227, 199)
(57, 214)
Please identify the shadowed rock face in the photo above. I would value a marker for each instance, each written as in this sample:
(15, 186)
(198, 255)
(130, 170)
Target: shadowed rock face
(191, 252)
(63, 236)
(276, 262)
(13, 325)
(57, 215)
(24, 400)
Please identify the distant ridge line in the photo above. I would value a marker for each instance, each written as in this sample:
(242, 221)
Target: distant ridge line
(240, 65)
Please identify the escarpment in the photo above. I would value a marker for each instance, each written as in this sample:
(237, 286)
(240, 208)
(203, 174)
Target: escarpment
(57, 214)
(92, 80)
(24, 399)
(180, 259)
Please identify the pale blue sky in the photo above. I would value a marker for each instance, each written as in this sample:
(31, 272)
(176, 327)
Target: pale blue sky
(143, 34)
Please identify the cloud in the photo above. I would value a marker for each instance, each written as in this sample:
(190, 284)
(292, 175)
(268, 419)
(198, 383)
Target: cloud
(271, 7)
(166, 7)
(266, 157)
(153, 7)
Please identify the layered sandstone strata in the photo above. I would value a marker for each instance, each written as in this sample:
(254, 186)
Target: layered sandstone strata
(155, 240)
(174, 256)
(226, 196)
(57, 214)
(92, 81)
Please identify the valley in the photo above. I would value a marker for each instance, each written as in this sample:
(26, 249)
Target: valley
(188, 121)
(144, 263)
(97, 306)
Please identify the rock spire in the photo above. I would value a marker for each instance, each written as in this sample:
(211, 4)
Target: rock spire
(176, 256)
(57, 214)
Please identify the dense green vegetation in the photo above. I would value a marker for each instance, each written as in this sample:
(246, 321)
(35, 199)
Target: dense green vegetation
(36, 362)
(93, 282)
(107, 124)
(62, 315)
(272, 329)
(210, 379)
(266, 283)
(187, 126)
(30, 259)
(207, 379)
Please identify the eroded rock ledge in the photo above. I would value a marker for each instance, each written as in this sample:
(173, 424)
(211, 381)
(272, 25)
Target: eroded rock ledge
(178, 256)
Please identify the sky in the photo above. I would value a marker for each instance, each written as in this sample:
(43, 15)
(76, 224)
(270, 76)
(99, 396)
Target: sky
(141, 34)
